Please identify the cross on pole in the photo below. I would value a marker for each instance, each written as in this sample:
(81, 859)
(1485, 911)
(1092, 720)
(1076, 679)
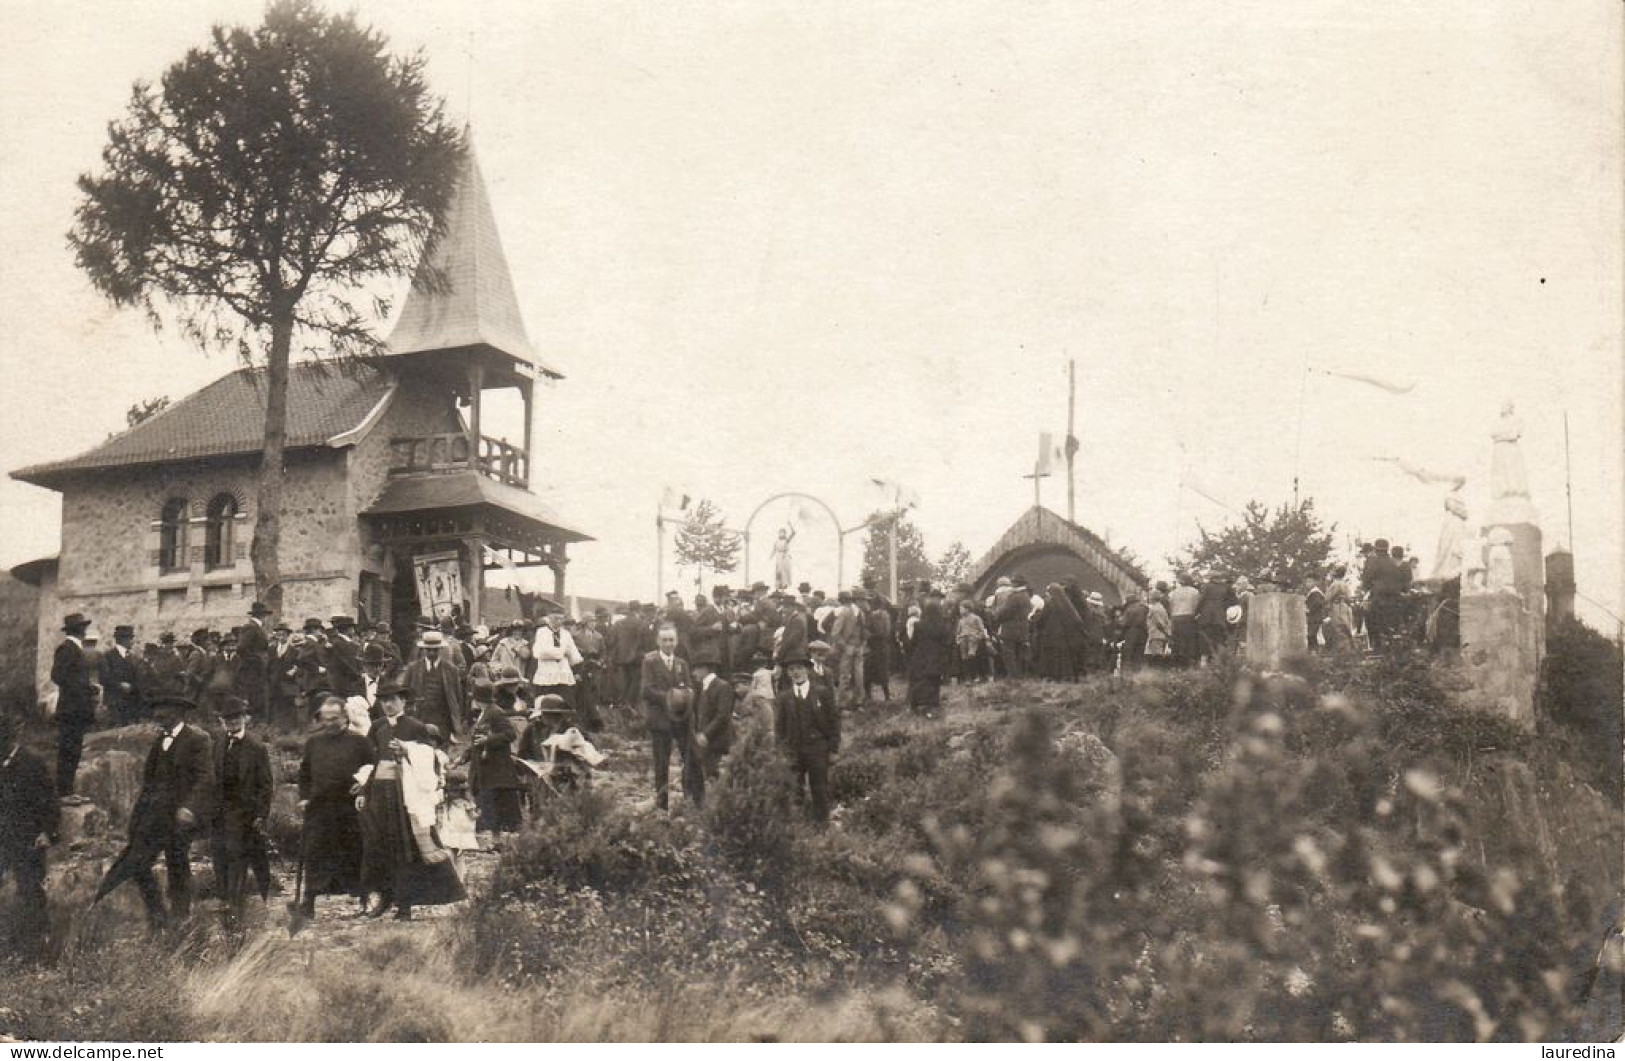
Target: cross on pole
(1037, 477)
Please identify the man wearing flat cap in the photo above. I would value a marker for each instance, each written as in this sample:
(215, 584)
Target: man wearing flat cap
(75, 700)
(242, 769)
(176, 800)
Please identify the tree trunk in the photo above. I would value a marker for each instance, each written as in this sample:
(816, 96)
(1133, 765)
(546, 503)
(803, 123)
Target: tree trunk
(266, 550)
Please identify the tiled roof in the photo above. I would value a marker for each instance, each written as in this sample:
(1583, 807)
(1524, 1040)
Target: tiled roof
(426, 493)
(476, 305)
(227, 418)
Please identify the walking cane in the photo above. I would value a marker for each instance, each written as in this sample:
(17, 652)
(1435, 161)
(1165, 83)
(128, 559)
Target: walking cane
(296, 909)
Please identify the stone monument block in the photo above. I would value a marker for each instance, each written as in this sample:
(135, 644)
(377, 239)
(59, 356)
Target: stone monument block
(112, 780)
(1277, 629)
(1496, 653)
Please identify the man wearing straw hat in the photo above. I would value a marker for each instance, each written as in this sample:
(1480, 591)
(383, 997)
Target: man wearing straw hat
(436, 686)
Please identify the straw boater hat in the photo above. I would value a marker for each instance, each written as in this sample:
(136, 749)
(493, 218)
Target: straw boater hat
(551, 704)
(818, 648)
(431, 639)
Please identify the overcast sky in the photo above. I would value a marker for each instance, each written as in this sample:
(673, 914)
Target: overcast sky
(789, 246)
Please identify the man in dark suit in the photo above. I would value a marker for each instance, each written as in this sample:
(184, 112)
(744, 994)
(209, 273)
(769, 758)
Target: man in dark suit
(626, 654)
(28, 825)
(162, 672)
(75, 700)
(242, 769)
(664, 681)
(344, 658)
(808, 728)
(282, 678)
(254, 652)
(177, 794)
(705, 632)
(436, 686)
(120, 678)
(710, 726)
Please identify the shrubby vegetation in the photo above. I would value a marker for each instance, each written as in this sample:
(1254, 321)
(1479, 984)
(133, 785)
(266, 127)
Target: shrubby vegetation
(1336, 854)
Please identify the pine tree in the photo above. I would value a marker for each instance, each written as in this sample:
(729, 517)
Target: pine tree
(258, 191)
(705, 542)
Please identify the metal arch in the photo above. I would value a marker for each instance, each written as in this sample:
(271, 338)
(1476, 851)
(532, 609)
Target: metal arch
(840, 533)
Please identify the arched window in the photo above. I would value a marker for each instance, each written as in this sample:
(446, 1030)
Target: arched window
(218, 531)
(172, 536)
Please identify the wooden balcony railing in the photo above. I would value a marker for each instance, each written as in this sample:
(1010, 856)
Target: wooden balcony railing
(450, 453)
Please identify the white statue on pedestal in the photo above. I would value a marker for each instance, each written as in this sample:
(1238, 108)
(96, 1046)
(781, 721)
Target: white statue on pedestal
(1509, 483)
(1499, 575)
(1472, 565)
(1447, 562)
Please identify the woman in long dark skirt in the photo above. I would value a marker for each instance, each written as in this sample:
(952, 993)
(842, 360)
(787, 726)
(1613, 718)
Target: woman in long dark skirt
(930, 651)
(401, 860)
(1057, 636)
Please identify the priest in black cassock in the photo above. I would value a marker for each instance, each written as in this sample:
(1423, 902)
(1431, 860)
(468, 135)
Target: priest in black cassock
(327, 797)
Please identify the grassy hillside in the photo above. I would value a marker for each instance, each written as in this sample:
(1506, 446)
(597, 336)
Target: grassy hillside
(1340, 855)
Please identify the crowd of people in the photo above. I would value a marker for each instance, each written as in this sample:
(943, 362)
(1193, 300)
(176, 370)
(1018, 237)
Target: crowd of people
(501, 710)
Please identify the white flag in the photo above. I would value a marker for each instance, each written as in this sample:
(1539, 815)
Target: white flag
(1048, 453)
(894, 495)
(674, 498)
(1386, 383)
(1424, 475)
(494, 557)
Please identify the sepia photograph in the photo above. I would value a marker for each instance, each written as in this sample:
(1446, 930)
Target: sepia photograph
(757, 521)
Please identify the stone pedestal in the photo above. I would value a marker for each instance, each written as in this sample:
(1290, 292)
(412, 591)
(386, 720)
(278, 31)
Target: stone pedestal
(112, 780)
(1529, 573)
(1498, 653)
(1277, 629)
(82, 822)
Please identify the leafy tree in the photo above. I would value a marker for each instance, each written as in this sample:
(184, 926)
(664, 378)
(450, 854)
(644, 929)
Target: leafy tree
(258, 191)
(1289, 545)
(953, 566)
(145, 410)
(704, 542)
(912, 562)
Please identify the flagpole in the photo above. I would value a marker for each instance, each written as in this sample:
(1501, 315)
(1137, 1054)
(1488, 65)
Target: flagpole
(1071, 439)
(660, 555)
(1297, 454)
(1568, 478)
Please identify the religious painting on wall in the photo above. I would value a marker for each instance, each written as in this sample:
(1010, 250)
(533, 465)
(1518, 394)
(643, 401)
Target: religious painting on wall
(439, 578)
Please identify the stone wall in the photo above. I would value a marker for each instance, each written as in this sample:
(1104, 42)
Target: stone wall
(19, 637)
(110, 534)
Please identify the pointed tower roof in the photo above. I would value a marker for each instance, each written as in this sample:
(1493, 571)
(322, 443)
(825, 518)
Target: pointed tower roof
(477, 307)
